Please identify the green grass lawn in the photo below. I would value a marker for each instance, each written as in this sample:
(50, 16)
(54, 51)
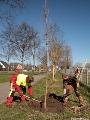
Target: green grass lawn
(5, 76)
(21, 110)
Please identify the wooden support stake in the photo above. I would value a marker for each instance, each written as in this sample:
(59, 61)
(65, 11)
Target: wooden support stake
(53, 73)
(81, 70)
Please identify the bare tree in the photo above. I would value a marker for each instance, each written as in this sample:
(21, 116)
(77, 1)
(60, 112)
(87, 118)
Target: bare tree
(56, 41)
(36, 43)
(55, 52)
(46, 39)
(7, 15)
(66, 60)
(78, 64)
(41, 55)
(21, 38)
(14, 3)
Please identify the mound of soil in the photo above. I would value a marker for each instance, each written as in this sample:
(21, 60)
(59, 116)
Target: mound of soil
(54, 103)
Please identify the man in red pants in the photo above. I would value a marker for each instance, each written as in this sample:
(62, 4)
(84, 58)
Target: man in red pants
(18, 83)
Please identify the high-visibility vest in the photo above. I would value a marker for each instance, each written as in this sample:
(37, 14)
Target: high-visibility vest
(21, 80)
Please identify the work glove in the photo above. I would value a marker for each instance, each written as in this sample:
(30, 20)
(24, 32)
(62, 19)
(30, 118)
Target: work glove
(65, 95)
(23, 97)
(77, 88)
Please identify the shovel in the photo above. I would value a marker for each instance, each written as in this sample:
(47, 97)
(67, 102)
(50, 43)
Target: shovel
(35, 100)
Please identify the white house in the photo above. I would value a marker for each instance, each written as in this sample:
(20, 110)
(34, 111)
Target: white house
(3, 66)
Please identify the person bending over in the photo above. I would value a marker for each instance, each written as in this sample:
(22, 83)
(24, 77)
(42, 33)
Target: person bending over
(70, 82)
(18, 83)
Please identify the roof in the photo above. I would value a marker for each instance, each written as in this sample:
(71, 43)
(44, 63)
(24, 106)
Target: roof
(4, 64)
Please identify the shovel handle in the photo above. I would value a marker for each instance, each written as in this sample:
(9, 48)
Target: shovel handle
(34, 99)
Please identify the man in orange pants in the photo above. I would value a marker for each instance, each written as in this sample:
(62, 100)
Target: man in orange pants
(70, 82)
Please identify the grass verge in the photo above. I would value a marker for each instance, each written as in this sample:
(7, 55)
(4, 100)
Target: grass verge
(21, 110)
(5, 76)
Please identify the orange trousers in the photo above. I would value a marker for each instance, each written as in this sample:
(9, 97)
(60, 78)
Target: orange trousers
(76, 90)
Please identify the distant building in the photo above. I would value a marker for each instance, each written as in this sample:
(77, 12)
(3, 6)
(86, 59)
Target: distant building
(15, 66)
(4, 66)
(18, 66)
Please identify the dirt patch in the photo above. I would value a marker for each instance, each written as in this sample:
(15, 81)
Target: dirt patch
(54, 104)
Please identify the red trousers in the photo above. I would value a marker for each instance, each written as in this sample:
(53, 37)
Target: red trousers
(13, 90)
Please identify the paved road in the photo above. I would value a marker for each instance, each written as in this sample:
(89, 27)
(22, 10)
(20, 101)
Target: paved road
(4, 87)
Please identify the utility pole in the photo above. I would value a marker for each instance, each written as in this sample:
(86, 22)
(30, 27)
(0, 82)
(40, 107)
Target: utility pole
(46, 37)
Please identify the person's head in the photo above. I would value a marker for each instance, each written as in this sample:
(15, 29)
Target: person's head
(29, 79)
(65, 76)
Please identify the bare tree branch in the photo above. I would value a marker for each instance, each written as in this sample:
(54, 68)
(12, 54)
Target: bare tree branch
(14, 3)
(11, 7)
(21, 38)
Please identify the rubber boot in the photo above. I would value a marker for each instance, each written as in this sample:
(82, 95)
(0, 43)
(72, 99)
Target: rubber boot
(23, 98)
(65, 101)
(9, 101)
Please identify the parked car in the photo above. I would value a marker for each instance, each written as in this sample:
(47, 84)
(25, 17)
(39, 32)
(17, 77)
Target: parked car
(24, 70)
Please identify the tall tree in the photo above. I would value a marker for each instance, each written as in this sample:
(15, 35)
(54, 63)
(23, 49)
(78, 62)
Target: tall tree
(41, 55)
(66, 60)
(56, 42)
(21, 38)
(36, 43)
(8, 10)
